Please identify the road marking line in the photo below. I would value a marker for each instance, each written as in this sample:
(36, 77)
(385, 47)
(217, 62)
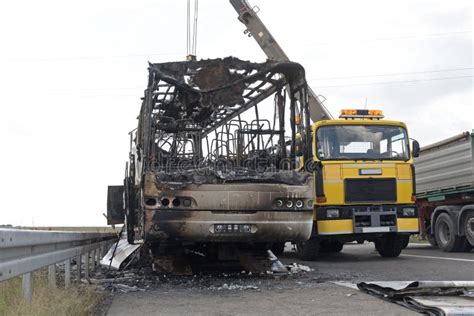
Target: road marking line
(440, 258)
(420, 244)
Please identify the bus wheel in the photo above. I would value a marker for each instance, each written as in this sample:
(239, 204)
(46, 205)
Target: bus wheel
(389, 246)
(308, 250)
(278, 248)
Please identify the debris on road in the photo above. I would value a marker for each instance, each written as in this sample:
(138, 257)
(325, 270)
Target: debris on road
(226, 286)
(119, 253)
(430, 297)
(297, 268)
(142, 278)
(126, 288)
(277, 266)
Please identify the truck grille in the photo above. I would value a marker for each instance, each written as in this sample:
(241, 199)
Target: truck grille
(370, 190)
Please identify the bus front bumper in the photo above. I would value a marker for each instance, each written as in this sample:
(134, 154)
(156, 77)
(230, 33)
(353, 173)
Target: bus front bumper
(227, 226)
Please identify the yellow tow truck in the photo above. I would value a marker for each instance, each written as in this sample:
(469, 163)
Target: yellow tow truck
(364, 184)
(363, 169)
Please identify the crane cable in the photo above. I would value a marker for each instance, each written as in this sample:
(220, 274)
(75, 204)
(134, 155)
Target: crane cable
(188, 29)
(191, 35)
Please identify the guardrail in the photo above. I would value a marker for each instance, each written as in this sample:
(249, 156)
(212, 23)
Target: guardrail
(24, 251)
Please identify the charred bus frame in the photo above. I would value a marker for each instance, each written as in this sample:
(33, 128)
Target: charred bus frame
(199, 172)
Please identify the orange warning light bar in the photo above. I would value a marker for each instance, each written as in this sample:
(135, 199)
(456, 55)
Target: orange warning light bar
(369, 114)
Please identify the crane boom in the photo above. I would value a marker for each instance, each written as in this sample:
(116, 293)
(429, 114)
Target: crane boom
(272, 49)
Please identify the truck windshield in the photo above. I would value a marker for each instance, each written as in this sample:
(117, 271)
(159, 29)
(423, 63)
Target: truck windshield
(362, 142)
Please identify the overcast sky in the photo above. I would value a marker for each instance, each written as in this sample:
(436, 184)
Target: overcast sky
(72, 74)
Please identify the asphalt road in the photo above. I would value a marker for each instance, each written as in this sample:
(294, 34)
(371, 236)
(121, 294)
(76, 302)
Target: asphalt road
(315, 293)
(359, 263)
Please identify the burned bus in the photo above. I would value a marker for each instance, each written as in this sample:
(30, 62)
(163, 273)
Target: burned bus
(218, 158)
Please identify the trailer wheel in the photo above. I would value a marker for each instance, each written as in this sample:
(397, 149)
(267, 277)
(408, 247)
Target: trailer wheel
(308, 250)
(389, 246)
(446, 235)
(278, 248)
(468, 225)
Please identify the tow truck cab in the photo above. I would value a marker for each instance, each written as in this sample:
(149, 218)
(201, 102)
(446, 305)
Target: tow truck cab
(364, 184)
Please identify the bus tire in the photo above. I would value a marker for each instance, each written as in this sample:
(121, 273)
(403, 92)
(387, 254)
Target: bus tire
(278, 248)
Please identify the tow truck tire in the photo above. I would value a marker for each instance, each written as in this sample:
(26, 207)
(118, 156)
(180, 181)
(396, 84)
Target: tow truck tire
(278, 248)
(468, 225)
(446, 235)
(332, 246)
(308, 250)
(432, 240)
(389, 246)
(405, 240)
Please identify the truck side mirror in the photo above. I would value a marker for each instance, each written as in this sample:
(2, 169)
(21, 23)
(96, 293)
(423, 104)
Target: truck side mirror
(416, 148)
(115, 209)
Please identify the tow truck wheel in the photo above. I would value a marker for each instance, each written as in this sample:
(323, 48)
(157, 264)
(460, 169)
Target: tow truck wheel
(332, 246)
(468, 225)
(446, 235)
(389, 246)
(278, 248)
(405, 240)
(308, 250)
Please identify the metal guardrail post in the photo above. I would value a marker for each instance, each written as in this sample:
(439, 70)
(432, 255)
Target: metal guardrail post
(87, 262)
(93, 259)
(67, 273)
(99, 251)
(52, 275)
(79, 264)
(27, 286)
(103, 249)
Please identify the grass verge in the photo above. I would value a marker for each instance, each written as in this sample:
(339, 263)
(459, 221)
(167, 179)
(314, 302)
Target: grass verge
(418, 239)
(46, 301)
